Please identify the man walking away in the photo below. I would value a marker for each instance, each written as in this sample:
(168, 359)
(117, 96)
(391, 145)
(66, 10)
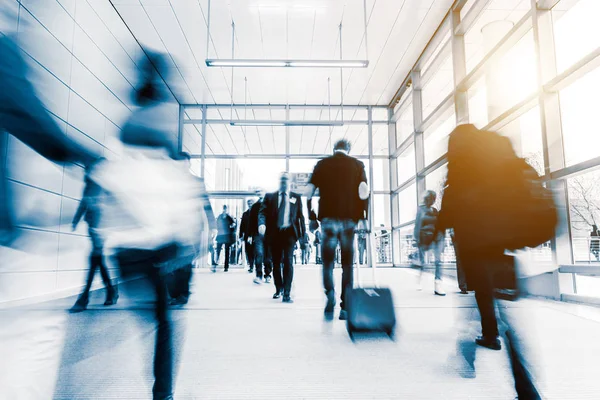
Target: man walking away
(343, 188)
(225, 236)
(362, 245)
(89, 209)
(281, 220)
(428, 239)
(262, 252)
(246, 237)
(304, 248)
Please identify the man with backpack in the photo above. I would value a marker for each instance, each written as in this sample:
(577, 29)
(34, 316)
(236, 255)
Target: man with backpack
(495, 202)
(427, 239)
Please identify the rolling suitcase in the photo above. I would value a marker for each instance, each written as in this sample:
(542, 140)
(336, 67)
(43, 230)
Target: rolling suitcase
(370, 309)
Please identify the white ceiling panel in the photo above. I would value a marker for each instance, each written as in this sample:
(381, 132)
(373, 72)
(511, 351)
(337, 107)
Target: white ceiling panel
(398, 30)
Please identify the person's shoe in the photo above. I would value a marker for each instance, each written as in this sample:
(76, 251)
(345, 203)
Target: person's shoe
(462, 291)
(79, 306)
(257, 280)
(226, 270)
(439, 290)
(490, 343)
(113, 296)
(179, 300)
(343, 315)
(287, 299)
(277, 295)
(250, 270)
(267, 279)
(329, 307)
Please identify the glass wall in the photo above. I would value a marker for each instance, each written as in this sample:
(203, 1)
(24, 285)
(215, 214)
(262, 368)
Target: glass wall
(551, 121)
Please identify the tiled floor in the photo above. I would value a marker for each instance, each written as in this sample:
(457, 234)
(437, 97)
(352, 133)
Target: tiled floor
(235, 342)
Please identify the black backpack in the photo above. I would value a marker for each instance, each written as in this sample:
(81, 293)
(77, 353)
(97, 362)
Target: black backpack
(499, 199)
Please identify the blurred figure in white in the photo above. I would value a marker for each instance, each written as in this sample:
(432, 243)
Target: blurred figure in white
(152, 219)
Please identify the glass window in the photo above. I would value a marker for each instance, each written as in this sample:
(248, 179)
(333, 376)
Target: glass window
(579, 104)
(381, 174)
(381, 211)
(478, 109)
(439, 86)
(441, 46)
(511, 11)
(395, 210)
(381, 140)
(407, 93)
(576, 30)
(584, 209)
(380, 114)
(436, 137)
(405, 124)
(406, 245)
(436, 181)
(525, 133)
(243, 174)
(406, 164)
(587, 285)
(407, 201)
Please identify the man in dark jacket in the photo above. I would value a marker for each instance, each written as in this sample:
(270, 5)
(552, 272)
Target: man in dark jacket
(343, 189)
(428, 239)
(245, 236)
(281, 220)
(90, 211)
(262, 252)
(225, 236)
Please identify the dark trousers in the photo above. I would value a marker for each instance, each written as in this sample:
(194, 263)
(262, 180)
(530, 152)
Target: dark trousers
(179, 282)
(362, 248)
(97, 262)
(163, 352)
(304, 255)
(249, 247)
(262, 257)
(227, 252)
(477, 265)
(338, 231)
(282, 248)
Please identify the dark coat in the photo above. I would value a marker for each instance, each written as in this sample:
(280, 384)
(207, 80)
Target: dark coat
(268, 214)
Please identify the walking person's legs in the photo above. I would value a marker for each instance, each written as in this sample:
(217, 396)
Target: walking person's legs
(437, 254)
(250, 254)
(112, 294)
(83, 299)
(328, 245)
(227, 256)
(347, 255)
(277, 257)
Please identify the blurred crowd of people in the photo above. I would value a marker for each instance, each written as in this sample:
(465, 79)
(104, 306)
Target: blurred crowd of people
(146, 213)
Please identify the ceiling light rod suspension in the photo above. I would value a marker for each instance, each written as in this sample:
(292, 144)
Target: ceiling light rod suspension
(232, 56)
(283, 63)
(341, 78)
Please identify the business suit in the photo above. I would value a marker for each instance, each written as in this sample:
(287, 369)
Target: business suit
(245, 235)
(281, 234)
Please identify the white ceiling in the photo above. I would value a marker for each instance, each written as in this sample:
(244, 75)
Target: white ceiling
(398, 31)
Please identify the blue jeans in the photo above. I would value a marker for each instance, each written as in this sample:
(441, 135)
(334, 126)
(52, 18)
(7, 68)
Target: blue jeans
(338, 231)
(435, 247)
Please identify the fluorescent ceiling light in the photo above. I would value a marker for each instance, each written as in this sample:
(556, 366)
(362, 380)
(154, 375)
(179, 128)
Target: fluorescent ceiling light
(287, 63)
(330, 64)
(256, 123)
(285, 123)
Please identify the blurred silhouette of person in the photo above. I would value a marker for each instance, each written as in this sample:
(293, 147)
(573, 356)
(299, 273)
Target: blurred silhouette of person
(362, 245)
(281, 221)
(595, 242)
(155, 209)
(245, 236)
(429, 239)
(23, 115)
(263, 265)
(343, 188)
(225, 236)
(90, 210)
(317, 243)
(475, 206)
(460, 273)
(304, 248)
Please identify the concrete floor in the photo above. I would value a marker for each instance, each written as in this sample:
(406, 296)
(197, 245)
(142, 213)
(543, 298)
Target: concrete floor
(235, 342)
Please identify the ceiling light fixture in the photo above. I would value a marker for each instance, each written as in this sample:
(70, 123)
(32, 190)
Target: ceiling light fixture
(285, 123)
(287, 63)
(262, 63)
